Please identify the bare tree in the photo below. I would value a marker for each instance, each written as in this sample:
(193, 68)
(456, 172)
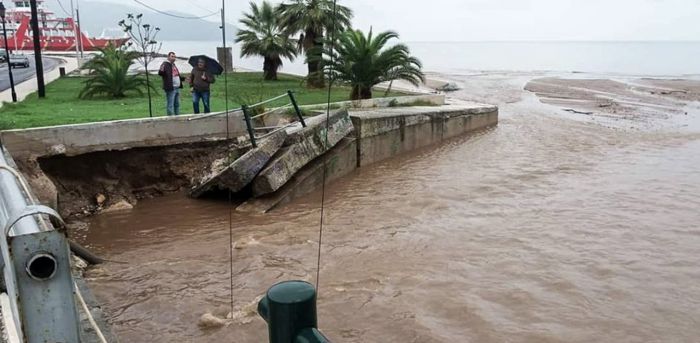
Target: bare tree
(143, 38)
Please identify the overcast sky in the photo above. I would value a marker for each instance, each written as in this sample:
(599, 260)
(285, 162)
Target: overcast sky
(484, 20)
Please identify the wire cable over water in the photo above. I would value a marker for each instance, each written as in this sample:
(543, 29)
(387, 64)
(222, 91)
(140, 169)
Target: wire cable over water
(228, 138)
(323, 182)
(174, 15)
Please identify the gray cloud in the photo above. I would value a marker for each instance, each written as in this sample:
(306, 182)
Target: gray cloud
(460, 20)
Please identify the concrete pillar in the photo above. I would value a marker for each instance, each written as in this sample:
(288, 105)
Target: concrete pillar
(225, 58)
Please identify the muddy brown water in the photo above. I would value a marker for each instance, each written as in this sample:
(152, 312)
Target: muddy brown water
(544, 229)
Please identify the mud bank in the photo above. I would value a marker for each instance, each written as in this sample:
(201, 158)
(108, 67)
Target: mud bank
(116, 180)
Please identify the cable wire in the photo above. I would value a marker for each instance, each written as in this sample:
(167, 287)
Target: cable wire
(325, 171)
(175, 15)
(228, 138)
(64, 9)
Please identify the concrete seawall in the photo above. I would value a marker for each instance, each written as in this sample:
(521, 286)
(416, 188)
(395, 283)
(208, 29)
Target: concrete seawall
(388, 132)
(93, 167)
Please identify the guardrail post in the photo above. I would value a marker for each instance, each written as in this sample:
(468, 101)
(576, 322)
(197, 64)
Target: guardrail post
(289, 308)
(249, 124)
(35, 266)
(296, 108)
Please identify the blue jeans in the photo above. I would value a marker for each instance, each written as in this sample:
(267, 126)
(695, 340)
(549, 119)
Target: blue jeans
(172, 102)
(205, 100)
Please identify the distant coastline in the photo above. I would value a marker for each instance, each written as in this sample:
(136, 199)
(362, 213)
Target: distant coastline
(653, 59)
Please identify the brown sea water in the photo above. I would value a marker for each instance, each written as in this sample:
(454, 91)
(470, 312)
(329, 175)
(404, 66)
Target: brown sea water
(543, 229)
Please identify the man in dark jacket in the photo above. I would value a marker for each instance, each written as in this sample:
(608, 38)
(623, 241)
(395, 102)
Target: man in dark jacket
(172, 82)
(199, 80)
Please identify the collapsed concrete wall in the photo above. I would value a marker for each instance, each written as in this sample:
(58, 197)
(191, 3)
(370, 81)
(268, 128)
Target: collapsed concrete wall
(302, 147)
(111, 180)
(82, 183)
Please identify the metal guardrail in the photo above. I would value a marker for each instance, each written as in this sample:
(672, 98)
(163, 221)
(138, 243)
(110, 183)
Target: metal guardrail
(35, 265)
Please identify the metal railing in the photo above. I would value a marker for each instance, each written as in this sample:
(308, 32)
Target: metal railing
(35, 265)
(248, 117)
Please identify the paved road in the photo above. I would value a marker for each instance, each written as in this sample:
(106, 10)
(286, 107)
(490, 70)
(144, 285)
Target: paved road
(23, 74)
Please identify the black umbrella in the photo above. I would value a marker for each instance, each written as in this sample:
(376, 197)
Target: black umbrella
(212, 65)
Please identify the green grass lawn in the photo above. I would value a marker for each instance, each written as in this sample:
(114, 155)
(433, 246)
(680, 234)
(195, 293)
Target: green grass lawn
(62, 105)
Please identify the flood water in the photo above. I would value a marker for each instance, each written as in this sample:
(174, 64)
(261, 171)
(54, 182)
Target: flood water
(544, 229)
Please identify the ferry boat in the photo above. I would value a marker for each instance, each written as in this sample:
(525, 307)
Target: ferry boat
(57, 34)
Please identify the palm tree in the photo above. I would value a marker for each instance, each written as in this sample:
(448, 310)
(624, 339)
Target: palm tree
(110, 74)
(263, 36)
(313, 19)
(364, 62)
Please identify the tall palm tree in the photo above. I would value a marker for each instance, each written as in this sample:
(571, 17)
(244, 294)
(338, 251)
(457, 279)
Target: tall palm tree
(364, 62)
(313, 19)
(263, 36)
(110, 74)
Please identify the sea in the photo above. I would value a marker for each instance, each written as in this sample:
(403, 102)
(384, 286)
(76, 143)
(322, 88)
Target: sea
(542, 229)
(676, 59)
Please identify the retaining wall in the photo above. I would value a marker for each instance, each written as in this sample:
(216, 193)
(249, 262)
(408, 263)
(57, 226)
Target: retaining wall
(391, 131)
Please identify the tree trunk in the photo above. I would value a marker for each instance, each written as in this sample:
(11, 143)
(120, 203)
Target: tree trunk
(360, 93)
(313, 44)
(388, 90)
(270, 69)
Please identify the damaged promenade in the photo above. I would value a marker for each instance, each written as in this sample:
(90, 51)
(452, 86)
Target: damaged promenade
(90, 168)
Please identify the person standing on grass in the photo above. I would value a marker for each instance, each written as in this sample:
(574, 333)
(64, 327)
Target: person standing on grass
(172, 82)
(200, 80)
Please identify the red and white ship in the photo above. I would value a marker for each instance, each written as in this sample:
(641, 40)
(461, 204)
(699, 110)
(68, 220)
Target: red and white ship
(57, 34)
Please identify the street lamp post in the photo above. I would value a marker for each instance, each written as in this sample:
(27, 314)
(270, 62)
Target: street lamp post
(7, 52)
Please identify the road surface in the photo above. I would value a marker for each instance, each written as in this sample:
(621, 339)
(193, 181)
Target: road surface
(23, 74)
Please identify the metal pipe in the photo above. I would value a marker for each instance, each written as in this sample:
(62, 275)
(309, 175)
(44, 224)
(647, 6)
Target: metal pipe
(268, 100)
(215, 114)
(249, 125)
(42, 267)
(270, 111)
(296, 108)
(275, 131)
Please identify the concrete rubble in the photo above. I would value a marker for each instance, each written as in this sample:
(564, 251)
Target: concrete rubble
(234, 176)
(302, 147)
(338, 162)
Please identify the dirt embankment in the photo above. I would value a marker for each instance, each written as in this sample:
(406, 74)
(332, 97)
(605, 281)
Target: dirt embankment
(112, 180)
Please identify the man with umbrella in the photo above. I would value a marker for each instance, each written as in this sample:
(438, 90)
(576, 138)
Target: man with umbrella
(202, 76)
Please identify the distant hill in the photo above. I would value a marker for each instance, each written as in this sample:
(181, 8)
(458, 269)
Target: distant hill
(95, 19)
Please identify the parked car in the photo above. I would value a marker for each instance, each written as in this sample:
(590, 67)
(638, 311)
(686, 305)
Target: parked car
(3, 55)
(19, 61)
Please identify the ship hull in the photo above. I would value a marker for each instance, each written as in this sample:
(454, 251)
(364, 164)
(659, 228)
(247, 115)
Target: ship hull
(23, 41)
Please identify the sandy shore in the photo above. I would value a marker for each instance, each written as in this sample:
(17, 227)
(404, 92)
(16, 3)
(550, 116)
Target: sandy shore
(628, 102)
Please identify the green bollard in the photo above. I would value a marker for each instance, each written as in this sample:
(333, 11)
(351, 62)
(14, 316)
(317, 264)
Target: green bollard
(289, 308)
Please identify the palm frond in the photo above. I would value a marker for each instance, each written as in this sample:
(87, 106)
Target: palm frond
(364, 61)
(110, 74)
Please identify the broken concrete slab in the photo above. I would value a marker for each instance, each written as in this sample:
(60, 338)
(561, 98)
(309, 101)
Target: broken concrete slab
(234, 176)
(338, 162)
(302, 147)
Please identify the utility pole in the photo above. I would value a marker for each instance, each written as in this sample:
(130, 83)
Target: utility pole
(8, 53)
(37, 50)
(76, 33)
(80, 34)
